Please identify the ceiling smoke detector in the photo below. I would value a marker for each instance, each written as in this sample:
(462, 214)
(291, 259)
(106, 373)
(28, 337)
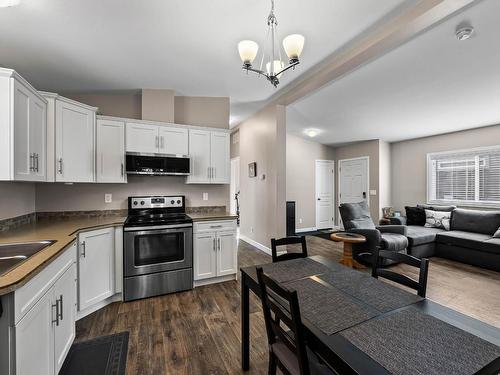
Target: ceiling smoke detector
(464, 33)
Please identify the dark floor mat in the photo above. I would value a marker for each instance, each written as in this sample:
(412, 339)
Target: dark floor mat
(106, 355)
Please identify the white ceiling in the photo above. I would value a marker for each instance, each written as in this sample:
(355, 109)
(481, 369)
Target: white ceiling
(185, 45)
(433, 84)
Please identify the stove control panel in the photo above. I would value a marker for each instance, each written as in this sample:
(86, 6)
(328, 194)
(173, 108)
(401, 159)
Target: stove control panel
(156, 202)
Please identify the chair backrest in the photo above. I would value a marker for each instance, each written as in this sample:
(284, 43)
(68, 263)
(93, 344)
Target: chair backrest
(282, 318)
(356, 215)
(423, 264)
(288, 241)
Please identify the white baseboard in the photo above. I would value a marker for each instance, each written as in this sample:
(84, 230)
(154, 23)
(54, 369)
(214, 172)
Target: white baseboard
(302, 230)
(214, 280)
(99, 305)
(256, 244)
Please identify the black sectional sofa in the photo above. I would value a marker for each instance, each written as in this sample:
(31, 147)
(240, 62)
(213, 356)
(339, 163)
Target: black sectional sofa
(473, 238)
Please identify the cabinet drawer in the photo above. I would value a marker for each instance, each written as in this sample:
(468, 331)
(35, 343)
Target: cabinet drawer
(214, 226)
(28, 295)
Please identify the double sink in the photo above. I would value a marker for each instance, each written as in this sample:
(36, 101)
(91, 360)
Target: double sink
(13, 254)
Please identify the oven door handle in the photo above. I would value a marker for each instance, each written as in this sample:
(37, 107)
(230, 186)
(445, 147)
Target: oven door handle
(157, 227)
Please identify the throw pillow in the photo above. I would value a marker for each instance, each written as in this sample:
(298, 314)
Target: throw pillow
(415, 216)
(497, 233)
(437, 219)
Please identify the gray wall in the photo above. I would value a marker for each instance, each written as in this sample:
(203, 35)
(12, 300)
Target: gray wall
(119, 104)
(385, 175)
(301, 155)
(409, 160)
(235, 144)
(16, 199)
(263, 140)
(202, 111)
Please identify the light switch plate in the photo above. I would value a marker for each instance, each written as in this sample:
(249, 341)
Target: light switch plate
(108, 198)
(205, 196)
(373, 192)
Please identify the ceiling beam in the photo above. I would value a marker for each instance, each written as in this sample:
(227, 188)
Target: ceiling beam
(399, 29)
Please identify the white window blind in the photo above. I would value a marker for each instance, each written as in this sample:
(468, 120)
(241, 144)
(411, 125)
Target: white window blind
(467, 177)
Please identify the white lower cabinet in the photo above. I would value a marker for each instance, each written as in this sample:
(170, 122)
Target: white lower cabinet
(215, 251)
(96, 267)
(45, 330)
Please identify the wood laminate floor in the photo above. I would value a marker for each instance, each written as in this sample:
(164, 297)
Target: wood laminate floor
(198, 332)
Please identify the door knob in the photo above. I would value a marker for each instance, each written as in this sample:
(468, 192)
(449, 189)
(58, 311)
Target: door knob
(319, 199)
(364, 194)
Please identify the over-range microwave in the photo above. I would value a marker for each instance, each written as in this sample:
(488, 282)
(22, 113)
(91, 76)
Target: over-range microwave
(157, 164)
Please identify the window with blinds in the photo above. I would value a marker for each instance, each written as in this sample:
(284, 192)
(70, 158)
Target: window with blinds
(465, 177)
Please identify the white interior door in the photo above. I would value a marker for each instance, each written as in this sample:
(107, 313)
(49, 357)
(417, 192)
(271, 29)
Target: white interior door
(324, 194)
(353, 180)
(235, 183)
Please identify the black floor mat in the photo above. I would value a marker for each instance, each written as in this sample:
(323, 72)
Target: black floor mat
(106, 355)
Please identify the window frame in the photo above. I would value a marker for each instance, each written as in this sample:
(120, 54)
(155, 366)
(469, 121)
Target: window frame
(464, 203)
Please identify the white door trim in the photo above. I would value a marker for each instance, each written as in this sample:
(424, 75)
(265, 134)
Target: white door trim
(233, 183)
(315, 191)
(367, 158)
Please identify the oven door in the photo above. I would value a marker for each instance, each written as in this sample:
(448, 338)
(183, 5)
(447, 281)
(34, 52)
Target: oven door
(157, 249)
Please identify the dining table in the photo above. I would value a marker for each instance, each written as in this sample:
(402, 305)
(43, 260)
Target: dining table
(361, 325)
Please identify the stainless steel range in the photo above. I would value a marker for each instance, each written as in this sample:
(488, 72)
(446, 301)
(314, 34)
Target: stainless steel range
(158, 247)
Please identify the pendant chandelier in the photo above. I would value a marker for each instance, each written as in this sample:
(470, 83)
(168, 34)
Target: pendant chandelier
(271, 65)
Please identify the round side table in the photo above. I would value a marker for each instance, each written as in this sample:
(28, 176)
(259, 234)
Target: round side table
(348, 239)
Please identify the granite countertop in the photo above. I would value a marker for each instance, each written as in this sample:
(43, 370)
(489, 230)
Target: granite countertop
(63, 231)
(216, 215)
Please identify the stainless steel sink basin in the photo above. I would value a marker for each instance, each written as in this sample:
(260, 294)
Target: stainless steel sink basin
(13, 254)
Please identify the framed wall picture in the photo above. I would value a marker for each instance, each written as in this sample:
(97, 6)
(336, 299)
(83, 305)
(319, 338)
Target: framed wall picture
(252, 169)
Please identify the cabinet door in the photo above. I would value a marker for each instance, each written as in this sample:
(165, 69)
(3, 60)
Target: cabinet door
(110, 145)
(205, 256)
(220, 158)
(23, 160)
(64, 331)
(74, 143)
(227, 253)
(174, 140)
(95, 267)
(142, 138)
(34, 343)
(199, 152)
(38, 138)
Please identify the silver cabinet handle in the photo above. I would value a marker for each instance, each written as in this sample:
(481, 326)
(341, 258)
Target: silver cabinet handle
(215, 226)
(214, 244)
(36, 165)
(56, 320)
(218, 242)
(162, 141)
(83, 249)
(122, 169)
(32, 156)
(60, 170)
(157, 141)
(60, 310)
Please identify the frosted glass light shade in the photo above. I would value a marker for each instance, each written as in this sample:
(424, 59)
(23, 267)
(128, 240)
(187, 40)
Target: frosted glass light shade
(248, 50)
(277, 66)
(293, 45)
(9, 3)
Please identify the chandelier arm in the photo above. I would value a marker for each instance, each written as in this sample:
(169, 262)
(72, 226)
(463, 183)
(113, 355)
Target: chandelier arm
(287, 67)
(254, 70)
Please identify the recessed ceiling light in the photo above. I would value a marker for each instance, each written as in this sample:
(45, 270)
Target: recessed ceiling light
(9, 3)
(311, 132)
(464, 33)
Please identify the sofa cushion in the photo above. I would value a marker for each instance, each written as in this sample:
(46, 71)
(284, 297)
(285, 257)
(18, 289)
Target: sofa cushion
(436, 208)
(418, 235)
(471, 240)
(497, 233)
(437, 219)
(415, 216)
(356, 215)
(393, 242)
(486, 222)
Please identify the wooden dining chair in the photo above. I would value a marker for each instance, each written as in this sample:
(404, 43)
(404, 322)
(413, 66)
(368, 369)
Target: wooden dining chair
(275, 243)
(286, 339)
(423, 264)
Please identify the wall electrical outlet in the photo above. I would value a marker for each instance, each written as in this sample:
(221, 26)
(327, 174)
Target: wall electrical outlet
(251, 229)
(300, 221)
(205, 196)
(108, 198)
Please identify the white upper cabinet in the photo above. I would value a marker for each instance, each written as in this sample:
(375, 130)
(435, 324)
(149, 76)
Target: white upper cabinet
(156, 139)
(23, 129)
(71, 126)
(110, 156)
(173, 140)
(210, 159)
(220, 158)
(141, 138)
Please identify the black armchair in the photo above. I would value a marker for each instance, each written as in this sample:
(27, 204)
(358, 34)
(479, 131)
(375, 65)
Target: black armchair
(356, 219)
